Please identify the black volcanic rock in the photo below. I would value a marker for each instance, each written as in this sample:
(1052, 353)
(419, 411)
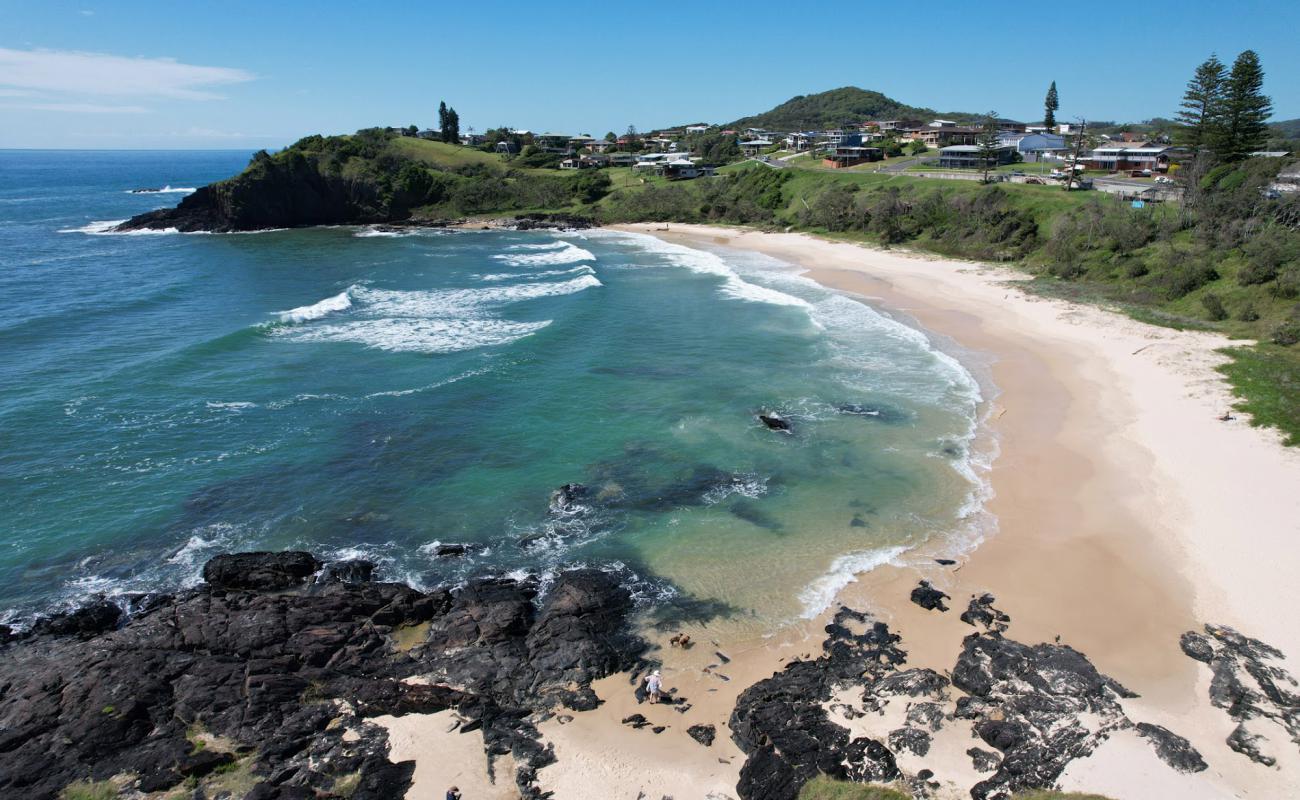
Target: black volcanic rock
(355, 570)
(704, 734)
(1173, 749)
(260, 667)
(928, 597)
(95, 617)
(260, 571)
(775, 422)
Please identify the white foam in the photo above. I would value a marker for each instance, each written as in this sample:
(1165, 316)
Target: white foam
(371, 233)
(105, 227)
(707, 263)
(423, 335)
(844, 570)
(169, 189)
(565, 254)
(555, 245)
(339, 302)
(238, 405)
(552, 273)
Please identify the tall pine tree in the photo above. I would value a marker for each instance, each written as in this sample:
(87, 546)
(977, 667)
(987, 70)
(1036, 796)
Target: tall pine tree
(1202, 105)
(442, 120)
(451, 128)
(1050, 105)
(1243, 128)
(988, 142)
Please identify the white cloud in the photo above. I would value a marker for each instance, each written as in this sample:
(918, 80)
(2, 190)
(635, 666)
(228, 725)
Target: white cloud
(78, 108)
(101, 75)
(86, 13)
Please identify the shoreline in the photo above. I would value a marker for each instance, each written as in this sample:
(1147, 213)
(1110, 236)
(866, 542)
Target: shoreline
(1116, 491)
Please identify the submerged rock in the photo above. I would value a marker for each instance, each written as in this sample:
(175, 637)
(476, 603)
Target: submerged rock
(775, 422)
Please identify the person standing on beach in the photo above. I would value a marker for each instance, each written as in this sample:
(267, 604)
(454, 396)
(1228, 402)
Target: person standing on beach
(453, 793)
(653, 686)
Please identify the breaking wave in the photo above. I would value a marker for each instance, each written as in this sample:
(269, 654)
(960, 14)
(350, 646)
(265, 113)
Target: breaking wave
(566, 253)
(339, 302)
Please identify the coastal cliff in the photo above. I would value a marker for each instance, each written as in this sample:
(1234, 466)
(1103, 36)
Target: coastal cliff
(372, 176)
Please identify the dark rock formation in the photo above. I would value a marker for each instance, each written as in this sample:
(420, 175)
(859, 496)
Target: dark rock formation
(453, 550)
(1247, 686)
(781, 725)
(981, 613)
(355, 570)
(568, 499)
(704, 734)
(282, 669)
(1173, 749)
(260, 571)
(983, 760)
(95, 617)
(552, 222)
(775, 422)
(913, 740)
(928, 597)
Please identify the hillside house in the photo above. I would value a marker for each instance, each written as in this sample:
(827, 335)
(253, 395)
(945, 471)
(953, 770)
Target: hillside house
(583, 162)
(691, 129)
(755, 147)
(967, 156)
(933, 136)
(1129, 157)
(850, 152)
(1034, 147)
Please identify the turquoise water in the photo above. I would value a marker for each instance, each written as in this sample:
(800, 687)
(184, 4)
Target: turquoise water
(168, 397)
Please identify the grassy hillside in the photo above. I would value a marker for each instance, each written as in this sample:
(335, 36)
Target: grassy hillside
(830, 109)
(1227, 260)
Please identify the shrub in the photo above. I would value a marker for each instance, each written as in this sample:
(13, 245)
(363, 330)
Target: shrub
(89, 790)
(1214, 306)
(1288, 283)
(1286, 334)
(1247, 313)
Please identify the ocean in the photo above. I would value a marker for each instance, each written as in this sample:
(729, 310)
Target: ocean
(365, 393)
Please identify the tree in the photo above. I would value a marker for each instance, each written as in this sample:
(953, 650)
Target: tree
(442, 119)
(610, 136)
(1050, 104)
(451, 128)
(1202, 105)
(1243, 123)
(987, 142)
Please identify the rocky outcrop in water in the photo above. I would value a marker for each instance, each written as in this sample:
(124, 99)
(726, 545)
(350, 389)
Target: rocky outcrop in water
(1256, 693)
(270, 672)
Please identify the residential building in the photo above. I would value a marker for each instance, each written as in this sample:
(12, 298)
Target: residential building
(472, 139)
(800, 141)
(1034, 147)
(583, 162)
(967, 156)
(696, 128)
(941, 136)
(581, 141)
(755, 147)
(430, 133)
(1128, 157)
(621, 159)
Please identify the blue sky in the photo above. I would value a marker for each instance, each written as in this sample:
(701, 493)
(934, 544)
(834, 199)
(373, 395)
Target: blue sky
(235, 74)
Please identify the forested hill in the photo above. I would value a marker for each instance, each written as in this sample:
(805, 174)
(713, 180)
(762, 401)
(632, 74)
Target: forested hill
(833, 108)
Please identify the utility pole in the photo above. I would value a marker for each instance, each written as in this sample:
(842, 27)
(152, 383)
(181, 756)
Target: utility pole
(1078, 148)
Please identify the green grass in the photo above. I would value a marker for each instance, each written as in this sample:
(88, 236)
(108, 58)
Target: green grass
(824, 788)
(1267, 378)
(446, 156)
(89, 790)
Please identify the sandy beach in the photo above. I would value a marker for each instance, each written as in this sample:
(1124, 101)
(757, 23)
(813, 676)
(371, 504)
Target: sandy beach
(1127, 514)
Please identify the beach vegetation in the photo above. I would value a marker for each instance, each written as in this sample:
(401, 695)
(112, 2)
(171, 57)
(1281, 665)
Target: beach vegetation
(90, 790)
(1049, 794)
(824, 788)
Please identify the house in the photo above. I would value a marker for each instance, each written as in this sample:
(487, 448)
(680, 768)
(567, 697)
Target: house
(1127, 157)
(800, 141)
(682, 169)
(967, 156)
(472, 139)
(850, 151)
(506, 147)
(942, 123)
(430, 133)
(1034, 147)
(580, 162)
(941, 136)
(600, 145)
(690, 129)
(621, 159)
(755, 147)
(581, 141)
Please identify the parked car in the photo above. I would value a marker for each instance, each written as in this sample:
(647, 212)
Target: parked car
(1163, 179)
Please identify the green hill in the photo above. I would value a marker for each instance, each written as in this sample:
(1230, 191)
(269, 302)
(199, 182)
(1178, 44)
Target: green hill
(832, 108)
(1286, 128)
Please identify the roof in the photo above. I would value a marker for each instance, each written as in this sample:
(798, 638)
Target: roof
(969, 148)
(756, 143)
